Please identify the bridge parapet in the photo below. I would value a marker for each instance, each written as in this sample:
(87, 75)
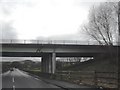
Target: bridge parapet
(64, 42)
(17, 41)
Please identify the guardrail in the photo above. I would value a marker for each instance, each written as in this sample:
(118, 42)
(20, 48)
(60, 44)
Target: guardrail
(76, 42)
(16, 41)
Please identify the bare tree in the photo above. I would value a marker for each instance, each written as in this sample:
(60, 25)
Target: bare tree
(119, 17)
(103, 23)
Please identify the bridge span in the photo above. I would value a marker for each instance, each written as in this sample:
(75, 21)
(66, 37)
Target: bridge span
(49, 52)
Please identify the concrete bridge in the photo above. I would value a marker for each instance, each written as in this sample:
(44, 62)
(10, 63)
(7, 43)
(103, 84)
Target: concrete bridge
(49, 51)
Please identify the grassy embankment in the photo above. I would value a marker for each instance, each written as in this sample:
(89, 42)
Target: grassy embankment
(105, 65)
(100, 65)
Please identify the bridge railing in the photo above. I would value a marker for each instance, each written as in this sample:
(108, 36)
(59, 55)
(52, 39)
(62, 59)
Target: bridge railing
(16, 41)
(76, 42)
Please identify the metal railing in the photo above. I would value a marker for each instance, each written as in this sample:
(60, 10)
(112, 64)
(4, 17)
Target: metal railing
(74, 42)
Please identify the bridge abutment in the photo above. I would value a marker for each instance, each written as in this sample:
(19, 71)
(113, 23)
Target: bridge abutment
(48, 63)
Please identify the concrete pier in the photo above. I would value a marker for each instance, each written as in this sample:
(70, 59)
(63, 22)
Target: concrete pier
(48, 63)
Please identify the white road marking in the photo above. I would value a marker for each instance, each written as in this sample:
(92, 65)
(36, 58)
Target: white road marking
(22, 73)
(13, 79)
(13, 87)
(101, 87)
(36, 78)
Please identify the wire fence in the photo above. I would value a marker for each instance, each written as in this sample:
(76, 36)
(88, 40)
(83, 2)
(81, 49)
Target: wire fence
(92, 78)
(101, 79)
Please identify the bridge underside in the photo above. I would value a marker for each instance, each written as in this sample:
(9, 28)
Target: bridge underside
(48, 59)
(32, 54)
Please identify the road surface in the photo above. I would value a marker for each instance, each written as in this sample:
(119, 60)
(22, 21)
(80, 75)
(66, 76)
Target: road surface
(19, 79)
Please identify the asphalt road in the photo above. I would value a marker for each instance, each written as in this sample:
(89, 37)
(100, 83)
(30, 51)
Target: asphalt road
(19, 79)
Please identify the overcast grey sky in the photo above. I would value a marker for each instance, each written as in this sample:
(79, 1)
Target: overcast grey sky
(44, 19)
(36, 19)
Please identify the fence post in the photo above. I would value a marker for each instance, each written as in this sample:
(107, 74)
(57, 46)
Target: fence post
(63, 41)
(61, 76)
(11, 41)
(95, 78)
(119, 80)
(24, 41)
(69, 75)
(76, 42)
(37, 41)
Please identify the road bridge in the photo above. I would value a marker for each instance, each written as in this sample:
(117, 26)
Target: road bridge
(50, 50)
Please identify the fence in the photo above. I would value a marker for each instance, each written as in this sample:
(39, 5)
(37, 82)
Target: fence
(103, 79)
(20, 41)
(76, 42)
(92, 78)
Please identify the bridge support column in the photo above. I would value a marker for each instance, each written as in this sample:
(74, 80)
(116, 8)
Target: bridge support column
(53, 62)
(43, 64)
(48, 63)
